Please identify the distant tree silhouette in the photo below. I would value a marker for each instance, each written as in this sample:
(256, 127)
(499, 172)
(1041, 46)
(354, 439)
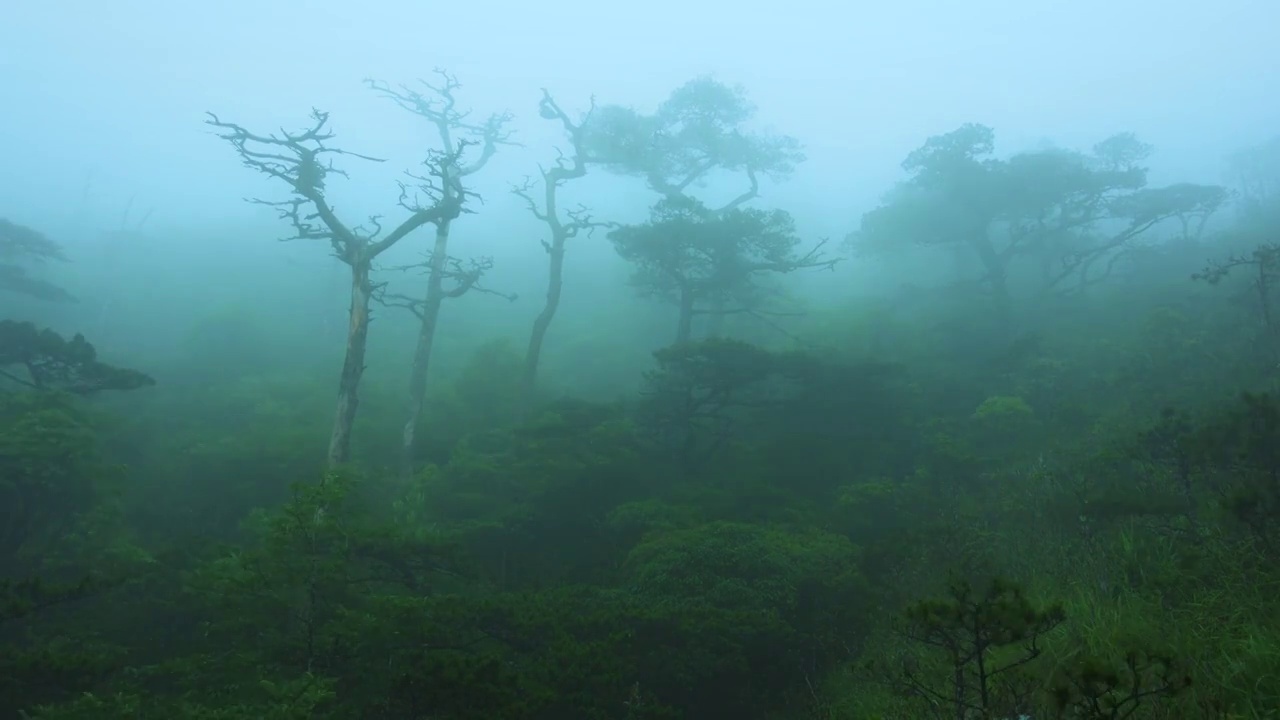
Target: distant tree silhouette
(698, 254)
(20, 244)
(1072, 215)
(44, 360)
(709, 263)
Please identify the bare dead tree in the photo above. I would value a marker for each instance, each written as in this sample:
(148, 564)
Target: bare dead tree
(439, 107)
(459, 279)
(562, 225)
(303, 161)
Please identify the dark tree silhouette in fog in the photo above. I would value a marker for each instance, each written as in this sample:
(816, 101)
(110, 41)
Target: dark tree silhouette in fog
(21, 246)
(562, 224)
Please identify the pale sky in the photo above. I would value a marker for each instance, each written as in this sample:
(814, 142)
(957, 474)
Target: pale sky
(117, 89)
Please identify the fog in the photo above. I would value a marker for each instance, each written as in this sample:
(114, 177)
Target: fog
(117, 91)
(600, 401)
(105, 106)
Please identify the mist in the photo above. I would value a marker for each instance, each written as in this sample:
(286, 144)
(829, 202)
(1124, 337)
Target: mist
(862, 308)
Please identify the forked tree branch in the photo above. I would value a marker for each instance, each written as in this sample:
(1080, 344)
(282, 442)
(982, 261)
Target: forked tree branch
(303, 160)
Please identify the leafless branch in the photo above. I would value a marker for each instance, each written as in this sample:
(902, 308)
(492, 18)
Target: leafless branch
(440, 108)
(1080, 261)
(568, 166)
(524, 191)
(298, 158)
(814, 258)
(398, 300)
(440, 181)
(463, 277)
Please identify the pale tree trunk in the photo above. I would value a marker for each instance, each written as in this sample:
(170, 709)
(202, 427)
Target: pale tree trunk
(352, 366)
(422, 353)
(296, 159)
(442, 114)
(533, 355)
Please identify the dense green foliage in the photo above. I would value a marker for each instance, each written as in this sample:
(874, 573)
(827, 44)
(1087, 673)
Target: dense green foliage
(953, 502)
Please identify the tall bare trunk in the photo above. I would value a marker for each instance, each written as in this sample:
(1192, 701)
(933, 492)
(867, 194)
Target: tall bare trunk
(352, 366)
(533, 355)
(422, 353)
